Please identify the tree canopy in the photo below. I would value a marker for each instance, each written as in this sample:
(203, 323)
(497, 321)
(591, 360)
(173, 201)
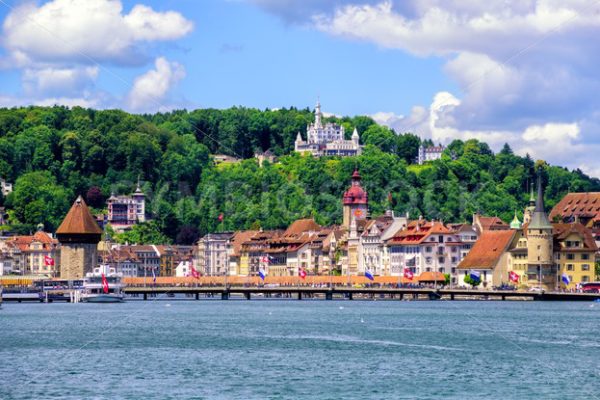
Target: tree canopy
(53, 154)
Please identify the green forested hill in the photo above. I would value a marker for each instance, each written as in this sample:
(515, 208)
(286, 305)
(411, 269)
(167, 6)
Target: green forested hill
(53, 154)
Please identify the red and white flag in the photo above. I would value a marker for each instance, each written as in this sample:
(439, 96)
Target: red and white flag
(408, 274)
(195, 273)
(302, 273)
(104, 284)
(48, 261)
(513, 276)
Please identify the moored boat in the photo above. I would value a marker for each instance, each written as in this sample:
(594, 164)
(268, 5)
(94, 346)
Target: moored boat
(103, 285)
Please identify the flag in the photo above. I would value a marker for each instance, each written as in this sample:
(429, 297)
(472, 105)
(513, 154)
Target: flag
(475, 275)
(513, 277)
(266, 259)
(195, 272)
(262, 273)
(565, 278)
(302, 273)
(220, 217)
(153, 276)
(104, 284)
(369, 275)
(408, 274)
(48, 261)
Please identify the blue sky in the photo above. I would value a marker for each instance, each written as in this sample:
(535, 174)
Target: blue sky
(522, 72)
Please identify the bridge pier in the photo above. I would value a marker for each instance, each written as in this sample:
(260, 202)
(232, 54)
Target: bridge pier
(225, 295)
(247, 295)
(503, 297)
(451, 296)
(299, 295)
(329, 295)
(401, 296)
(145, 296)
(350, 296)
(197, 296)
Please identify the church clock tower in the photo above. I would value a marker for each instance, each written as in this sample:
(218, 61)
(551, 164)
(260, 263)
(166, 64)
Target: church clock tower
(355, 201)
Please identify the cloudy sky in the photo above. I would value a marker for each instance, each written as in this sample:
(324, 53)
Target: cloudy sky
(523, 72)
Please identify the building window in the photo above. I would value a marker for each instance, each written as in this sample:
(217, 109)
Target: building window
(569, 267)
(428, 249)
(428, 260)
(585, 278)
(441, 260)
(585, 256)
(585, 267)
(570, 256)
(440, 239)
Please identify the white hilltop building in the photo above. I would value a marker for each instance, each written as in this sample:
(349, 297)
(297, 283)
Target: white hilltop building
(328, 139)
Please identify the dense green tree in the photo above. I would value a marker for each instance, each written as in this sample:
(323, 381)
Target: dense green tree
(55, 153)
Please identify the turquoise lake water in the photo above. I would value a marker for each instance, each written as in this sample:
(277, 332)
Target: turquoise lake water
(284, 349)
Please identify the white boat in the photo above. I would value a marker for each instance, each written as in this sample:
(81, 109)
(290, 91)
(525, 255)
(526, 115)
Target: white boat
(104, 285)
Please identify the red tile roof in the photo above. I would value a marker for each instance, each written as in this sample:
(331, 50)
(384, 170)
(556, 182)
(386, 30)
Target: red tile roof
(492, 223)
(562, 231)
(488, 249)
(581, 205)
(431, 277)
(79, 221)
(302, 225)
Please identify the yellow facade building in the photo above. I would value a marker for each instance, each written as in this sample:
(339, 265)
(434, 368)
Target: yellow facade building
(575, 252)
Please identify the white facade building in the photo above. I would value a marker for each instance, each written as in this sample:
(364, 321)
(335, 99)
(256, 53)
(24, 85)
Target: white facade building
(327, 139)
(126, 211)
(429, 153)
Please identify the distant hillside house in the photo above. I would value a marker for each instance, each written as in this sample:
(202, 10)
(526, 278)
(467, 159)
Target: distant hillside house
(126, 211)
(224, 159)
(6, 187)
(429, 153)
(327, 140)
(267, 155)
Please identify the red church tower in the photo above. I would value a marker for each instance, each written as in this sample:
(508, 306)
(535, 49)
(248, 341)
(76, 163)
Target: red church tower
(355, 201)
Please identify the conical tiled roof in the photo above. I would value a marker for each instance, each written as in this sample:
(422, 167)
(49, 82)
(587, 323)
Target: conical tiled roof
(79, 221)
(539, 220)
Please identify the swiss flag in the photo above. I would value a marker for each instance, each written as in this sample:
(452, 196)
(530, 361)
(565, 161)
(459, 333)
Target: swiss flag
(195, 273)
(513, 276)
(408, 274)
(302, 273)
(48, 261)
(104, 284)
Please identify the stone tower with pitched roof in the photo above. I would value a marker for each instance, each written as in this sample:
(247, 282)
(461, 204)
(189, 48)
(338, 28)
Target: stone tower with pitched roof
(78, 235)
(540, 254)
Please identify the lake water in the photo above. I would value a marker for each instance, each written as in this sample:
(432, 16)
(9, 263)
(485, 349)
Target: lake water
(284, 349)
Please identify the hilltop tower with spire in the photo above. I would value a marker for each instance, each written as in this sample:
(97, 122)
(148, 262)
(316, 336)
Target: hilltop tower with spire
(327, 139)
(78, 235)
(540, 260)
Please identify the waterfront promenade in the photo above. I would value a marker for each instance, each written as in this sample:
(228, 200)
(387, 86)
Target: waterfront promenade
(153, 292)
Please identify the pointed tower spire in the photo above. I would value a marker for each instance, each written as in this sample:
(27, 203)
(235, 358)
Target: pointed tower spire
(318, 113)
(539, 220)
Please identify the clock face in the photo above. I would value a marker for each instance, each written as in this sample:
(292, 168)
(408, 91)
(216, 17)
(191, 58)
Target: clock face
(358, 213)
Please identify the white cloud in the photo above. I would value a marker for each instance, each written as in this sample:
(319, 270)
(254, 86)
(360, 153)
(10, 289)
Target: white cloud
(558, 143)
(58, 81)
(150, 89)
(85, 31)
(527, 69)
(62, 45)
